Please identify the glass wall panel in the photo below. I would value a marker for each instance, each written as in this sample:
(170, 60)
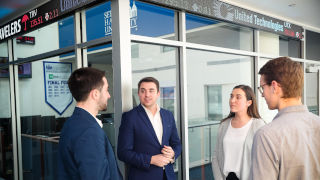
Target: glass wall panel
(269, 43)
(312, 45)
(98, 21)
(152, 60)
(264, 111)
(212, 32)
(51, 37)
(66, 32)
(101, 58)
(151, 20)
(4, 54)
(45, 104)
(277, 45)
(211, 77)
(312, 87)
(290, 47)
(145, 20)
(6, 155)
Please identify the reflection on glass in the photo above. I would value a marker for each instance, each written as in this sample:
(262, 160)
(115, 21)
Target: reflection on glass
(51, 37)
(290, 47)
(277, 45)
(202, 140)
(101, 58)
(312, 45)
(312, 88)
(265, 113)
(210, 79)
(269, 43)
(168, 98)
(4, 53)
(98, 21)
(152, 61)
(151, 20)
(42, 114)
(214, 102)
(6, 154)
(212, 32)
(66, 32)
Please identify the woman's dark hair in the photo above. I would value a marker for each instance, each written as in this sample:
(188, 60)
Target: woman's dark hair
(253, 108)
(83, 80)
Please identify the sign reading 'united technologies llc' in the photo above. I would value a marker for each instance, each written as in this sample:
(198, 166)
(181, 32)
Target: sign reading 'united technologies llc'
(234, 14)
(57, 94)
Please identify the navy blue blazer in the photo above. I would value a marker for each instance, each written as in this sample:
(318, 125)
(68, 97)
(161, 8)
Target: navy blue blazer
(137, 142)
(85, 151)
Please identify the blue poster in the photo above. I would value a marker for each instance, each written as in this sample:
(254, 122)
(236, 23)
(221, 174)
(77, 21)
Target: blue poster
(57, 94)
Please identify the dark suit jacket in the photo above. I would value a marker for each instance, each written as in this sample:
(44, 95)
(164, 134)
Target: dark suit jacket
(137, 142)
(85, 151)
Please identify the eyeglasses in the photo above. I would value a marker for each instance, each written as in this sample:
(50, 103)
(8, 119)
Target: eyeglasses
(260, 88)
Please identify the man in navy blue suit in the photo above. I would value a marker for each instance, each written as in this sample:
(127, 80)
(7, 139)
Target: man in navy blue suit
(148, 139)
(84, 149)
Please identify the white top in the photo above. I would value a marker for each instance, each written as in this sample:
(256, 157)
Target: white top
(233, 143)
(156, 122)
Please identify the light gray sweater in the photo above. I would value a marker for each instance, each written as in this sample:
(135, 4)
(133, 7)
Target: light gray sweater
(218, 155)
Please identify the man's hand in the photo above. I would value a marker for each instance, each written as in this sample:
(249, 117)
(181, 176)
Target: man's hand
(160, 160)
(168, 152)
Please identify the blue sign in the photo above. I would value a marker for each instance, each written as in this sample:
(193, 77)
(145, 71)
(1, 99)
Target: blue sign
(57, 94)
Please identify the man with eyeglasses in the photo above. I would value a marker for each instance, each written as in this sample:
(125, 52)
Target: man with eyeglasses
(289, 146)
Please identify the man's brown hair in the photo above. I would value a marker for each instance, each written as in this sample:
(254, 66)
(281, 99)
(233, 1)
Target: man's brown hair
(149, 79)
(83, 80)
(288, 73)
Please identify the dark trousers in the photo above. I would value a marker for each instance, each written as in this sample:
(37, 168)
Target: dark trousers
(164, 175)
(232, 176)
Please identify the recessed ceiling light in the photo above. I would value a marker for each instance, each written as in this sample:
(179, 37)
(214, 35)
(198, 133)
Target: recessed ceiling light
(292, 5)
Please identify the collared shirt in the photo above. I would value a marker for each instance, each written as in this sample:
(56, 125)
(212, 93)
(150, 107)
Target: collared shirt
(288, 147)
(98, 120)
(156, 122)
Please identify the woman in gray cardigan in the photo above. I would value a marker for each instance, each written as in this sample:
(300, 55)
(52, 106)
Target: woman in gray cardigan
(232, 154)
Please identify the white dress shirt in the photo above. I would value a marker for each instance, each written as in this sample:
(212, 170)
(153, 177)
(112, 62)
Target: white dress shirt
(156, 122)
(98, 120)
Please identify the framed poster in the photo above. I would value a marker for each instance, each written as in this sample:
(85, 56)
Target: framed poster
(57, 94)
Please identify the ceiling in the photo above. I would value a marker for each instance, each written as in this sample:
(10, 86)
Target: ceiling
(302, 12)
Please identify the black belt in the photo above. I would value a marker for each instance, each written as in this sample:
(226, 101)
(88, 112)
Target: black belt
(232, 176)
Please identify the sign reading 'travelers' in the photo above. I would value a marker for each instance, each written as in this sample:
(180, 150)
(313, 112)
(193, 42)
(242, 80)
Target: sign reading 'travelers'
(38, 17)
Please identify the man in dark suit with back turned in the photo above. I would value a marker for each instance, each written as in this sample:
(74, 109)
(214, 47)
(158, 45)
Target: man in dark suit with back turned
(148, 139)
(84, 149)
